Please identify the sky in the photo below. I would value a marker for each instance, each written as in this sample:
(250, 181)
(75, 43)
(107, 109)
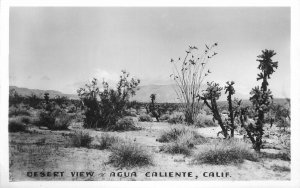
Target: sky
(62, 48)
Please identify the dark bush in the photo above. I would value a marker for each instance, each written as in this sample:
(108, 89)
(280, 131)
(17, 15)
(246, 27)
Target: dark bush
(124, 124)
(104, 108)
(81, 139)
(17, 125)
(18, 111)
(54, 120)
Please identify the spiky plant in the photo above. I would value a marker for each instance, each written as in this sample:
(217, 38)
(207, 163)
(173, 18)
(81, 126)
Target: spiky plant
(212, 94)
(189, 73)
(261, 97)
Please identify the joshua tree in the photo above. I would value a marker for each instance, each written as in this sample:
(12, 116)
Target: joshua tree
(189, 73)
(261, 97)
(46, 97)
(152, 107)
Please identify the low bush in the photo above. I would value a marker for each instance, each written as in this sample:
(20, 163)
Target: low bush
(18, 124)
(177, 147)
(105, 141)
(18, 111)
(129, 154)
(124, 124)
(180, 132)
(205, 121)
(225, 152)
(280, 168)
(183, 140)
(81, 139)
(164, 117)
(54, 120)
(145, 118)
(176, 118)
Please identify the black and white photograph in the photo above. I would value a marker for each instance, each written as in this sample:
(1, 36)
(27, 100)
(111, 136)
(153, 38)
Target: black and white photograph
(149, 93)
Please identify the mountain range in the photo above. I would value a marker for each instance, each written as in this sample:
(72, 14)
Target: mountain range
(164, 93)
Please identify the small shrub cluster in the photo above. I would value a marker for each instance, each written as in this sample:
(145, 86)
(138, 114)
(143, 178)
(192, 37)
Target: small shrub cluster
(124, 124)
(204, 121)
(56, 119)
(106, 141)
(18, 111)
(164, 117)
(18, 124)
(129, 154)
(145, 118)
(81, 139)
(225, 152)
(181, 140)
(176, 118)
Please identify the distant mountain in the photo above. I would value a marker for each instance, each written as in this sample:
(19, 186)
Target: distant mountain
(40, 93)
(164, 93)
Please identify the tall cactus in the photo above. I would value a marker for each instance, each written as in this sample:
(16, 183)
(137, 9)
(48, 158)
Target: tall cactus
(261, 96)
(230, 90)
(212, 94)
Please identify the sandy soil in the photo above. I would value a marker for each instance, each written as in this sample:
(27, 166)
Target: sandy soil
(48, 151)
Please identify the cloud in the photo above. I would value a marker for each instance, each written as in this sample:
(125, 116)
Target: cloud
(108, 76)
(45, 78)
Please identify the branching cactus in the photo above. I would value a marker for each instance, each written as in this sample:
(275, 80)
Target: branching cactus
(212, 94)
(189, 73)
(230, 90)
(261, 97)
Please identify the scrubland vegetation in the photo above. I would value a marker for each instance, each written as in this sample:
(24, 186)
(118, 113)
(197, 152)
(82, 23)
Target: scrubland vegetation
(132, 135)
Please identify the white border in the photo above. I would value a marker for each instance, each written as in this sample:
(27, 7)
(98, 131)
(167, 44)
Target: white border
(295, 92)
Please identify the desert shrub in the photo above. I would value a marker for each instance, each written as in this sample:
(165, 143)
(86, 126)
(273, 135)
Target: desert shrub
(177, 148)
(81, 139)
(177, 117)
(204, 121)
(280, 168)
(131, 112)
(17, 124)
(164, 117)
(56, 119)
(72, 109)
(128, 154)
(103, 108)
(18, 111)
(145, 118)
(224, 152)
(105, 141)
(181, 132)
(124, 124)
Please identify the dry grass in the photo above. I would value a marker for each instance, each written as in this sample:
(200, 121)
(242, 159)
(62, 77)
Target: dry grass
(129, 154)
(106, 141)
(181, 140)
(224, 152)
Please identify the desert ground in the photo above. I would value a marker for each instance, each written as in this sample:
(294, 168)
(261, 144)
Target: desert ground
(41, 150)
